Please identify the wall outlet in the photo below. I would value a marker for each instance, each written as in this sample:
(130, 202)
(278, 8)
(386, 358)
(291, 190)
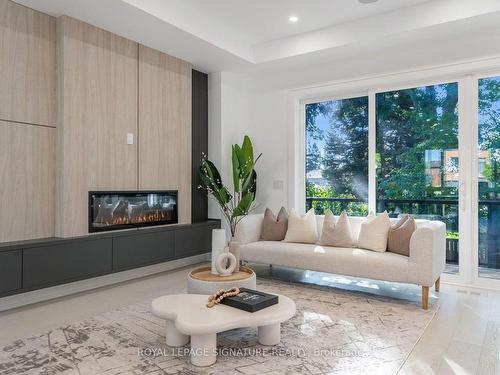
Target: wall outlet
(130, 138)
(278, 184)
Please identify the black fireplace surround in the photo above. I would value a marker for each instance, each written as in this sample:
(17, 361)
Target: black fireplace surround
(111, 210)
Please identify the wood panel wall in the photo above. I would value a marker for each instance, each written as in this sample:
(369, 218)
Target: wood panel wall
(27, 181)
(69, 94)
(97, 88)
(27, 121)
(165, 126)
(27, 65)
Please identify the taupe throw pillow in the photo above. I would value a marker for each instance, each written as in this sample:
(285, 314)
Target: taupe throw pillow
(401, 221)
(274, 228)
(400, 234)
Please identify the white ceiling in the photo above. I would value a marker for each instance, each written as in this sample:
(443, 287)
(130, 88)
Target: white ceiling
(217, 35)
(258, 21)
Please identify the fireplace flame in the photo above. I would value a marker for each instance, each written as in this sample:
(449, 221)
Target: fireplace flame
(146, 217)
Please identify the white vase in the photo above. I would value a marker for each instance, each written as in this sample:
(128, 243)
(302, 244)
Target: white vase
(219, 242)
(234, 248)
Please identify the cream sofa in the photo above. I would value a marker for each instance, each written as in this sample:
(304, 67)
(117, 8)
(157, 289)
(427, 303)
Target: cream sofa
(423, 267)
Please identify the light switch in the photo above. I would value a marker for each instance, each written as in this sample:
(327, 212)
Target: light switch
(130, 138)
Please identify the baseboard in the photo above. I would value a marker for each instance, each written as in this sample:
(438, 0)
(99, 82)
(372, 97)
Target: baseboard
(28, 298)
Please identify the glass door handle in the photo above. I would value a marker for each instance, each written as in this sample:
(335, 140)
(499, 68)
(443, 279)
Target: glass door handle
(462, 196)
(475, 197)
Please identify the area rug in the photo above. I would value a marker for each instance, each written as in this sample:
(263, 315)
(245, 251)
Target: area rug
(333, 332)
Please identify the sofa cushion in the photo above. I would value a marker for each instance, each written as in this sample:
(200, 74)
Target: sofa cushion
(302, 228)
(400, 234)
(373, 232)
(336, 232)
(400, 221)
(274, 228)
(340, 260)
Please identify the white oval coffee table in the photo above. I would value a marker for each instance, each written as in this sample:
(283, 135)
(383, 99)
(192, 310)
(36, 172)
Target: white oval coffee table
(186, 316)
(202, 281)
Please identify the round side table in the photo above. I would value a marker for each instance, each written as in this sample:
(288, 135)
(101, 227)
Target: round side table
(201, 280)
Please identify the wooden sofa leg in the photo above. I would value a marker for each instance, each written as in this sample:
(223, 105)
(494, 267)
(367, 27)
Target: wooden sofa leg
(425, 297)
(437, 284)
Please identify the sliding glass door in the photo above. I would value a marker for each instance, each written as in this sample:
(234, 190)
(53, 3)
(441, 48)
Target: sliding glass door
(432, 151)
(417, 157)
(488, 178)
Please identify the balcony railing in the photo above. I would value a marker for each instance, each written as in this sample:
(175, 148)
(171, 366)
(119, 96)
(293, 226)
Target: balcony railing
(446, 210)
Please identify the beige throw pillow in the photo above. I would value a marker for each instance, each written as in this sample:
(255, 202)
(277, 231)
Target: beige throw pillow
(302, 228)
(274, 228)
(374, 232)
(400, 234)
(338, 233)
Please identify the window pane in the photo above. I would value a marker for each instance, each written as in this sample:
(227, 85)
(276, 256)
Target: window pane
(489, 177)
(337, 156)
(417, 157)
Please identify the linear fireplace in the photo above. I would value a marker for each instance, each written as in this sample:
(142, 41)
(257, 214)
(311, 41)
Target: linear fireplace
(111, 210)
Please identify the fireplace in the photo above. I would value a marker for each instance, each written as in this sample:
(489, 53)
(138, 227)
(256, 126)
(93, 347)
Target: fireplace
(111, 210)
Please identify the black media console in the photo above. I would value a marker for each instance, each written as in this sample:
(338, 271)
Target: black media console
(36, 264)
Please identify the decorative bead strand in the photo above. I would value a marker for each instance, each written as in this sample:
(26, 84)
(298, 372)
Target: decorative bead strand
(218, 296)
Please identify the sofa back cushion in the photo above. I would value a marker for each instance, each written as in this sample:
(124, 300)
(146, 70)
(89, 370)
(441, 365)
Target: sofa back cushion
(336, 233)
(374, 232)
(400, 234)
(274, 228)
(302, 228)
(356, 222)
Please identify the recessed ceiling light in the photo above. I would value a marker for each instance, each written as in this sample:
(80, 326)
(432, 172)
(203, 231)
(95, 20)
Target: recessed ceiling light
(293, 19)
(367, 1)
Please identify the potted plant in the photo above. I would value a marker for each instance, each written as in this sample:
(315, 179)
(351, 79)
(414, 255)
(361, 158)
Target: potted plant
(239, 202)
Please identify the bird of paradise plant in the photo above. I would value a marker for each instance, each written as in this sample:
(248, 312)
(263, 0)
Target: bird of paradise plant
(237, 204)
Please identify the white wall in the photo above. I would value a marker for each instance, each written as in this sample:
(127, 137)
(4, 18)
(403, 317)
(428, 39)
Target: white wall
(261, 116)
(257, 102)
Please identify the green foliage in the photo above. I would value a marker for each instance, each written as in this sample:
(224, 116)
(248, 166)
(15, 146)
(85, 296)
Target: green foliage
(210, 177)
(409, 123)
(237, 205)
(320, 207)
(346, 148)
(489, 135)
(244, 205)
(489, 172)
(314, 110)
(318, 191)
(313, 157)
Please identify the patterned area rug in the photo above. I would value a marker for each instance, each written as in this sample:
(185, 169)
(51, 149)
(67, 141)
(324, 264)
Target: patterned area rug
(334, 331)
